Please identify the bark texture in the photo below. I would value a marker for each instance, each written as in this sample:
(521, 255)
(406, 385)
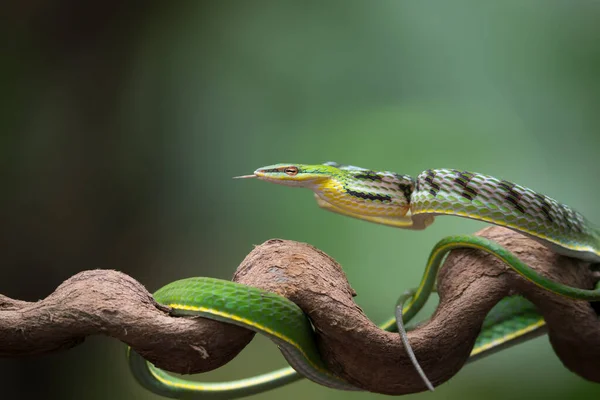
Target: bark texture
(470, 284)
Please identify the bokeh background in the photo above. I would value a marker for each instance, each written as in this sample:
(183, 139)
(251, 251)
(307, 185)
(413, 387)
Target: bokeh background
(122, 124)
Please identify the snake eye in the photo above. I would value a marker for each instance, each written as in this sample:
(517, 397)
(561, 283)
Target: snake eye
(291, 171)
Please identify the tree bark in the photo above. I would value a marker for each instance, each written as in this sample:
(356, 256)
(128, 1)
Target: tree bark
(469, 284)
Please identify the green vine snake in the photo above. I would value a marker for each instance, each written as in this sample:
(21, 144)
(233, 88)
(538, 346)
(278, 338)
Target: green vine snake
(395, 200)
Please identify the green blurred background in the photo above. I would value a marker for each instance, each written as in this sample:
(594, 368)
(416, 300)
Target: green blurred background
(123, 122)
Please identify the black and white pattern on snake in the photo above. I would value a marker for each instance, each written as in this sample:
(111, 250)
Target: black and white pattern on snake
(467, 192)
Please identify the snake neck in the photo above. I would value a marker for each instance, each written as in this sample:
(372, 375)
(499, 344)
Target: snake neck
(369, 193)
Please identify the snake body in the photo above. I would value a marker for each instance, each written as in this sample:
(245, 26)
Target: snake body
(489, 199)
(400, 201)
(266, 313)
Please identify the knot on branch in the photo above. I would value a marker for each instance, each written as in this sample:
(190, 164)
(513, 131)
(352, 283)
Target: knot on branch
(470, 284)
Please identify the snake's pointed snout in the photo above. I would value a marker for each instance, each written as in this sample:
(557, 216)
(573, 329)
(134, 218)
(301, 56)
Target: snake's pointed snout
(259, 173)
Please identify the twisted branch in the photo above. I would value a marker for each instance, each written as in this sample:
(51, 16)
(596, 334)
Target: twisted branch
(470, 284)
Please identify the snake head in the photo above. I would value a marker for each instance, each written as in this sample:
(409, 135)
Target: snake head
(376, 196)
(299, 175)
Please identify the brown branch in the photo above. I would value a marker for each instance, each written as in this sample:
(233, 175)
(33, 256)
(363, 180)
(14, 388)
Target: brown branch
(470, 284)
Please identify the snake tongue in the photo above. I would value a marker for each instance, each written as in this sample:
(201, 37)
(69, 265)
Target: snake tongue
(244, 176)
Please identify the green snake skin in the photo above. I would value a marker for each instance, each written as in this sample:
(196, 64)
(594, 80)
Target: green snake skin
(275, 316)
(482, 197)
